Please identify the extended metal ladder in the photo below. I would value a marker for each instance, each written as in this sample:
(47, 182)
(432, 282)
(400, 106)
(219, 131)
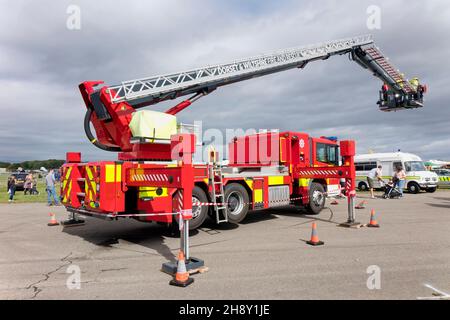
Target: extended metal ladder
(169, 86)
(218, 199)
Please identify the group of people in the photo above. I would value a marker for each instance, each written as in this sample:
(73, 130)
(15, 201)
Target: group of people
(414, 83)
(397, 181)
(29, 187)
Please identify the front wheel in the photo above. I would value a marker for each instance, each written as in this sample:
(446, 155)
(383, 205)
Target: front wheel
(431, 190)
(413, 187)
(316, 198)
(237, 202)
(362, 186)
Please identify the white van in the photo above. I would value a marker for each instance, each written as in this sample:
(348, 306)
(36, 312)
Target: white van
(417, 177)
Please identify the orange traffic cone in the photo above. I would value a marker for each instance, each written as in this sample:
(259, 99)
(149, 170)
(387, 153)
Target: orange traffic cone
(373, 220)
(361, 205)
(181, 278)
(314, 237)
(334, 202)
(53, 221)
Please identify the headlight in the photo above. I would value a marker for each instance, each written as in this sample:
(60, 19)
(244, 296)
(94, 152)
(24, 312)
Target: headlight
(427, 179)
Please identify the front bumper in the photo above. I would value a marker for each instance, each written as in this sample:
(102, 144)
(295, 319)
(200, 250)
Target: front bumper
(427, 185)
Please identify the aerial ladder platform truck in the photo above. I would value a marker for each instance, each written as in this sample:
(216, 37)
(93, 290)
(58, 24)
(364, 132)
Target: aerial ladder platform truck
(154, 177)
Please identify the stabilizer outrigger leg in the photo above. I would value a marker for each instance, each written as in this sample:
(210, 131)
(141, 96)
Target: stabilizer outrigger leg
(73, 221)
(192, 264)
(351, 222)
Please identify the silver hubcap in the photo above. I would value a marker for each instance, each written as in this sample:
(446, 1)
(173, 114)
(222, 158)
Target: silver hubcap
(317, 198)
(196, 208)
(235, 203)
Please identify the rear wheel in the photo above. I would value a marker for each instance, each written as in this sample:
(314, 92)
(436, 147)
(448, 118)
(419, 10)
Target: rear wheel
(413, 187)
(199, 213)
(316, 198)
(237, 202)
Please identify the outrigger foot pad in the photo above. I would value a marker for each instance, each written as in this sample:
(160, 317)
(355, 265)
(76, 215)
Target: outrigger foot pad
(355, 225)
(191, 264)
(73, 223)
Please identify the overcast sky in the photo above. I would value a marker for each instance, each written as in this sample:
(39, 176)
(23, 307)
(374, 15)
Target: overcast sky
(42, 62)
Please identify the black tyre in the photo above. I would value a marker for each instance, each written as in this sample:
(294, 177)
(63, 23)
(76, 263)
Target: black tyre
(413, 187)
(362, 186)
(431, 190)
(199, 213)
(237, 200)
(316, 198)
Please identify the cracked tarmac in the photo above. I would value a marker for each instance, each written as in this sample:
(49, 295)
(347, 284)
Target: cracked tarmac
(262, 258)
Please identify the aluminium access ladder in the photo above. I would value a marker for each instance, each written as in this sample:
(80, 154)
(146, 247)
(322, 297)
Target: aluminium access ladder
(218, 198)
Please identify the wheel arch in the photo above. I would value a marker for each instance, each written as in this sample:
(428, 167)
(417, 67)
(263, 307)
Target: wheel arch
(323, 182)
(202, 185)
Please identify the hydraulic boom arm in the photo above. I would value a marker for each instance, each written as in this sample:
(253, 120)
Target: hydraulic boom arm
(110, 107)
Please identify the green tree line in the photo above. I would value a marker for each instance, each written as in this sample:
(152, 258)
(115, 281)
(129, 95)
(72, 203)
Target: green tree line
(33, 164)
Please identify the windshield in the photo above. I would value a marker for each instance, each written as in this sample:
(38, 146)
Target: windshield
(414, 166)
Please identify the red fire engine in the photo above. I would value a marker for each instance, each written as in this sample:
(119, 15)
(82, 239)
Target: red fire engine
(154, 178)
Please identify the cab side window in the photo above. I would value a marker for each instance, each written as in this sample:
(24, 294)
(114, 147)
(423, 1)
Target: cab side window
(327, 153)
(321, 152)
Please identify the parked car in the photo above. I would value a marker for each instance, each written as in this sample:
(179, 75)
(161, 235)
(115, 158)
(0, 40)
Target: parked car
(444, 177)
(20, 179)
